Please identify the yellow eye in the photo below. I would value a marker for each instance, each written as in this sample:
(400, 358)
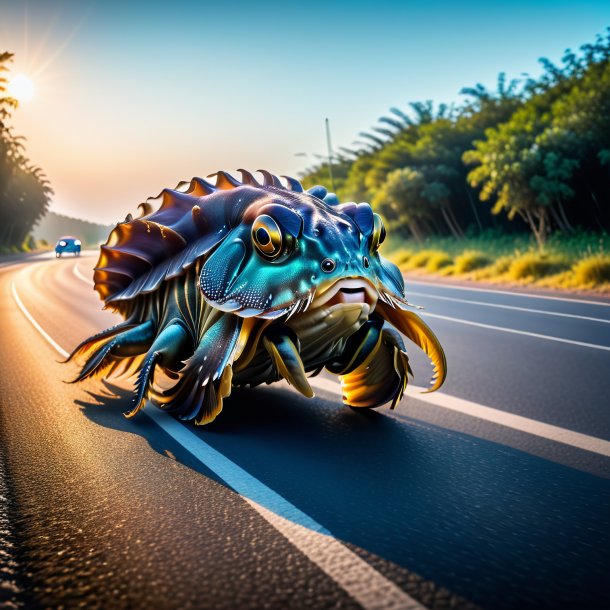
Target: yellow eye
(378, 233)
(267, 236)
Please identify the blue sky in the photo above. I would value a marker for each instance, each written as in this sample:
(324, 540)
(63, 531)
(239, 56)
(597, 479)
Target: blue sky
(134, 96)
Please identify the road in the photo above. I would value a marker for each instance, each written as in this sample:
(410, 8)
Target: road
(494, 493)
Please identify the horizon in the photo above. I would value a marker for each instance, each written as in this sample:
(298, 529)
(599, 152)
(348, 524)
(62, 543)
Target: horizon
(270, 80)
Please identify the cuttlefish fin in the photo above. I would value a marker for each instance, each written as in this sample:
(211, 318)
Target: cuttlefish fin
(416, 330)
(283, 346)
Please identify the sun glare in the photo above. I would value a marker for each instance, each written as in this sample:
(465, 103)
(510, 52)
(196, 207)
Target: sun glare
(21, 88)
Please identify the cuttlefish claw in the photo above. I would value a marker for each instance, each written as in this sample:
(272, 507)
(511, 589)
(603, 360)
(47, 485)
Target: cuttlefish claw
(416, 330)
(282, 344)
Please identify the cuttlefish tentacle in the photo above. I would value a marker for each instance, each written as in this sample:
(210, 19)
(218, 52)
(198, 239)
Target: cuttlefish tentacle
(131, 342)
(167, 348)
(416, 330)
(282, 344)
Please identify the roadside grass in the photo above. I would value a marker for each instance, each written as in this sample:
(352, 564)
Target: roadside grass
(577, 262)
(532, 266)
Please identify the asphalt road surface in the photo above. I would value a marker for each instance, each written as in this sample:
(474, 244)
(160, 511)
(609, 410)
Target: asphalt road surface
(494, 493)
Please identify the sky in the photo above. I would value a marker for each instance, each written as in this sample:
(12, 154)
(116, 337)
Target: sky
(132, 97)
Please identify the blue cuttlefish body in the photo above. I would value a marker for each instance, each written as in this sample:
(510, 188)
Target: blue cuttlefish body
(241, 283)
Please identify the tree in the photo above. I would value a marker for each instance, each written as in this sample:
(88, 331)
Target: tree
(401, 203)
(537, 150)
(539, 159)
(24, 189)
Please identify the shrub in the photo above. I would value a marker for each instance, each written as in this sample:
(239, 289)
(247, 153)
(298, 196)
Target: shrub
(494, 271)
(470, 260)
(535, 265)
(420, 259)
(438, 261)
(29, 243)
(401, 256)
(592, 271)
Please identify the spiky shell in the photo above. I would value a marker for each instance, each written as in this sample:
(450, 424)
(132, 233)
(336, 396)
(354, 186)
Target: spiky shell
(141, 253)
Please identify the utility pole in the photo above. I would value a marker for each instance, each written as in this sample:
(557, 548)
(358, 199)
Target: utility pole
(330, 156)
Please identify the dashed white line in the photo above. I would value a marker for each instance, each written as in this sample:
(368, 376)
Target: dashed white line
(513, 307)
(516, 332)
(410, 280)
(358, 579)
(496, 416)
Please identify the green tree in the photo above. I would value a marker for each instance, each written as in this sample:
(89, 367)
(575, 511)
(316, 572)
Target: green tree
(24, 190)
(401, 202)
(531, 165)
(537, 150)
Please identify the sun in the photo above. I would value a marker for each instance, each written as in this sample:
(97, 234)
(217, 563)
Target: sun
(21, 88)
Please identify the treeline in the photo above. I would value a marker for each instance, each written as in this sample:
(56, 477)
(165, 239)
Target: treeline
(53, 226)
(24, 190)
(534, 154)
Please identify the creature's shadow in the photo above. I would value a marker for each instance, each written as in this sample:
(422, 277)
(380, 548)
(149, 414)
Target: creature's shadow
(274, 424)
(409, 492)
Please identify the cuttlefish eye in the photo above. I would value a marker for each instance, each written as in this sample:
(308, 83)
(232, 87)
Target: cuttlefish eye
(328, 265)
(379, 233)
(267, 236)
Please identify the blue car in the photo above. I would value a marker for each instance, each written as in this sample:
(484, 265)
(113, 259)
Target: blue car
(67, 244)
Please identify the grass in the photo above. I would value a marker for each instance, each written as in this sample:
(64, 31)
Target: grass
(580, 261)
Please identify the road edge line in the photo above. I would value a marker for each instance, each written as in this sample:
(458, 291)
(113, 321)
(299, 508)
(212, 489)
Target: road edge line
(80, 276)
(60, 350)
(517, 332)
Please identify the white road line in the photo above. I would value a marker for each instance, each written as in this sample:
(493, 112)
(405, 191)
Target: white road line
(498, 305)
(354, 575)
(35, 324)
(496, 416)
(80, 276)
(362, 582)
(410, 280)
(516, 332)
(358, 579)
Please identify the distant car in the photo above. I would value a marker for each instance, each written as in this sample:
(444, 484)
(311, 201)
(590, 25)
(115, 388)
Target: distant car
(67, 244)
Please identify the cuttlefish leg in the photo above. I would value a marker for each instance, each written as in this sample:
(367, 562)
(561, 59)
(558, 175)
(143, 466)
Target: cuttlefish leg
(167, 348)
(376, 367)
(358, 348)
(205, 379)
(126, 344)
